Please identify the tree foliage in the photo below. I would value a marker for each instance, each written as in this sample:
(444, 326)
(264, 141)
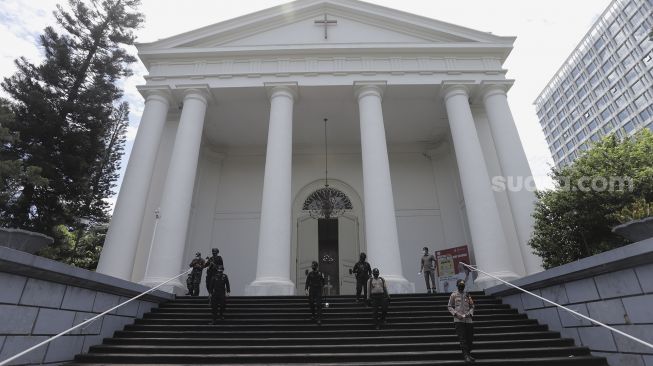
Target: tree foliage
(575, 220)
(12, 170)
(70, 118)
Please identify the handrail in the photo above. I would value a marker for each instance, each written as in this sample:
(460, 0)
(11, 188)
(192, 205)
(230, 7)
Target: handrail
(561, 307)
(7, 361)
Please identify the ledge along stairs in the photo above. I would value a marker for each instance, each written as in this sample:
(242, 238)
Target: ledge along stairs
(278, 330)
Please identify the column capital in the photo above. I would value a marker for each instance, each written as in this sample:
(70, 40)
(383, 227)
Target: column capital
(161, 93)
(200, 92)
(282, 89)
(490, 88)
(453, 88)
(365, 88)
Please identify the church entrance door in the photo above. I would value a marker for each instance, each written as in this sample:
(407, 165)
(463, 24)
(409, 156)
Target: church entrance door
(334, 244)
(327, 230)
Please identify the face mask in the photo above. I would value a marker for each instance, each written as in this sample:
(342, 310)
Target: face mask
(461, 288)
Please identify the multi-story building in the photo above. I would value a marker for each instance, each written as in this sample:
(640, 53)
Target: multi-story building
(606, 84)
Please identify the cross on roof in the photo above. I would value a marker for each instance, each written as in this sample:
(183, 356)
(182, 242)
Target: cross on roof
(326, 22)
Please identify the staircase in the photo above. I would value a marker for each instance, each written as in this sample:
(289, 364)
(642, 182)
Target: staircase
(278, 330)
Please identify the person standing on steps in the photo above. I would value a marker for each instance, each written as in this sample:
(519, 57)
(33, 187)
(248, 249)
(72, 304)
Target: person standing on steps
(195, 276)
(427, 266)
(363, 272)
(212, 263)
(461, 306)
(377, 294)
(313, 288)
(220, 292)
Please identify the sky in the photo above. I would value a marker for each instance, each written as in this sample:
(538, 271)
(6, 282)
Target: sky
(547, 32)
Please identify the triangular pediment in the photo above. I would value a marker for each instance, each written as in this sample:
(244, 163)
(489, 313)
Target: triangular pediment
(294, 24)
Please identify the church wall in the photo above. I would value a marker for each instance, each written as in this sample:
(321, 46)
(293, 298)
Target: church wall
(501, 197)
(237, 216)
(419, 222)
(237, 189)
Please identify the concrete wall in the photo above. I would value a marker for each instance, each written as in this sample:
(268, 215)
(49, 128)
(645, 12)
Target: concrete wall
(40, 298)
(615, 288)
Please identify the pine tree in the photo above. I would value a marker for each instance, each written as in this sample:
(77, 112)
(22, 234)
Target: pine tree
(69, 115)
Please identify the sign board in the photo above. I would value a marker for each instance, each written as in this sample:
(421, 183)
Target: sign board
(450, 269)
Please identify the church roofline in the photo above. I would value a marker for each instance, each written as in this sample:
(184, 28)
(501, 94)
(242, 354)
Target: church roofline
(278, 15)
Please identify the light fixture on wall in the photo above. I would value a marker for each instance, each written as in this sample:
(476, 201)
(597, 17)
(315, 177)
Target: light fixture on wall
(326, 202)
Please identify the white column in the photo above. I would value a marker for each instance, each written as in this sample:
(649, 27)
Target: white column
(380, 219)
(514, 166)
(273, 261)
(166, 254)
(117, 258)
(488, 237)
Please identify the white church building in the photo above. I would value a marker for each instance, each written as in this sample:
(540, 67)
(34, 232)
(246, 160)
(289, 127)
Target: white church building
(230, 151)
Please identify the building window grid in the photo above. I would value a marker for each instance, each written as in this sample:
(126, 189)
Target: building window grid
(564, 76)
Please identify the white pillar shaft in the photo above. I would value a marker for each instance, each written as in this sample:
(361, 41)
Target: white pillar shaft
(514, 166)
(117, 258)
(273, 261)
(489, 240)
(380, 219)
(170, 238)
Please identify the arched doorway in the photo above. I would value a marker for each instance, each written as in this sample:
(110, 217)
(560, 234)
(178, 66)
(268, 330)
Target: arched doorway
(334, 242)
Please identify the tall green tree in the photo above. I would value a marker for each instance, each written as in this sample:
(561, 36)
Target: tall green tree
(575, 220)
(69, 115)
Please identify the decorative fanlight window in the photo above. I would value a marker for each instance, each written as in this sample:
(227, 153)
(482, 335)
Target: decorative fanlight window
(326, 203)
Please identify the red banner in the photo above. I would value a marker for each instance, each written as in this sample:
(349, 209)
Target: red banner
(449, 267)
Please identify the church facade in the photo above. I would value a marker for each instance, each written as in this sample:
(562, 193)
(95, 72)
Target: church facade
(230, 151)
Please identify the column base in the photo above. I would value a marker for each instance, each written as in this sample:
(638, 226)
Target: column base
(483, 281)
(270, 287)
(398, 284)
(168, 287)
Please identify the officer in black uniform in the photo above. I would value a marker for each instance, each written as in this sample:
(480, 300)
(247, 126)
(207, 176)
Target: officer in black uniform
(363, 272)
(195, 276)
(313, 288)
(221, 289)
(212, 263)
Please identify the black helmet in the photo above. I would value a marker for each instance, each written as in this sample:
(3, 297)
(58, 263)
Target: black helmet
(314, 265)
(198, 254)
(363, 256)
(215, 251)
(220, 269)
(375, 272)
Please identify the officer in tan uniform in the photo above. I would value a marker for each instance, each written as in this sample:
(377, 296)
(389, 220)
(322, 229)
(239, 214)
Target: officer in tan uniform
(461, 306)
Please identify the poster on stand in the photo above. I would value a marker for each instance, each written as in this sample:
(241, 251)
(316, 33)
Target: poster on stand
(450, 270)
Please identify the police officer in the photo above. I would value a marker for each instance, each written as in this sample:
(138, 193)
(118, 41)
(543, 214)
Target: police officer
(461, 306)
(377, 294)
(313, 288)
(362, 271)
(195, 276)
(220, 291)
(212, 263)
